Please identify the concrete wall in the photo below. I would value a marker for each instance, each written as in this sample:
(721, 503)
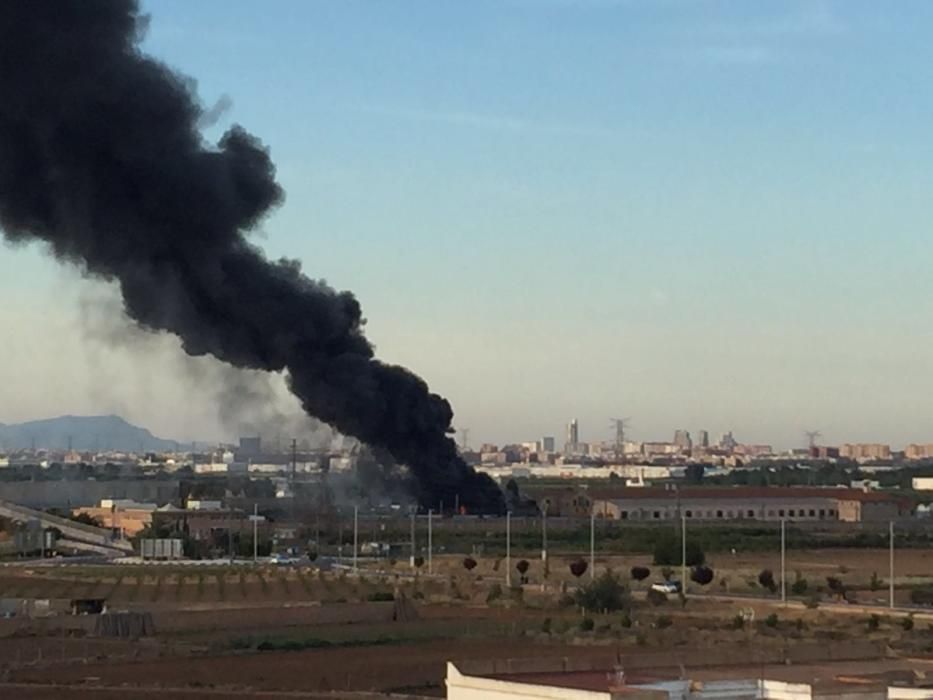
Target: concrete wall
(76, 494)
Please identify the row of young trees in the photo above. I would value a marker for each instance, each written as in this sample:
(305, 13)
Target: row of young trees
(700, 574)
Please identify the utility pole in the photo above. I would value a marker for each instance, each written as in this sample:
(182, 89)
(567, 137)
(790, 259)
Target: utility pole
(294, 470)
(255, 532)
(356, 531)
(783, 563)
(430, 543)
(412, 537)
(508, 549)
(891, 564)
(683, 552)
(544, 536)
(592, 545)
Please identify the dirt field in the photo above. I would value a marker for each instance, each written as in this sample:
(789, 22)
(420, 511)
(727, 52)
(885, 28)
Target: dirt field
(224, 632)
(408, 667)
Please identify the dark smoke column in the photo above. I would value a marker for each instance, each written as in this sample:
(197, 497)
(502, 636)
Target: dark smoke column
(101, 158)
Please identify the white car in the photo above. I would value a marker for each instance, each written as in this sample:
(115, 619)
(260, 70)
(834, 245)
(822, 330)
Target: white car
(666, 587)
(284, 560)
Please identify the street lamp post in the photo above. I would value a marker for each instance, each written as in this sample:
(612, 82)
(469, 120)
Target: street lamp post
(412, 537)
(356, 529)
(592, 545)
(783, 562)
(508, 549)
(430, 543)
(683, 552)
(891, 564)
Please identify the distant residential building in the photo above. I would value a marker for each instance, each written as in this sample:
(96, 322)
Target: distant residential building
(682, 440)
(703, 439)
(919, 451)
(659, 448)
(547, 444)
(753, 450)
(865, 451)
(573, 437)
(496, 457)
(728, 442)
(823, 452)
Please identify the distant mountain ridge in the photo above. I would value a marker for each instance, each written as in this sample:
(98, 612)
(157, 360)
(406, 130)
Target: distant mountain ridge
(86, 433)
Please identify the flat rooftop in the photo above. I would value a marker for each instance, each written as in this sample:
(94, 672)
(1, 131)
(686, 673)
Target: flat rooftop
(907, 672)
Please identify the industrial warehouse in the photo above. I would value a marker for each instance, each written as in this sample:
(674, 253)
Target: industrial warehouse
(740, 503)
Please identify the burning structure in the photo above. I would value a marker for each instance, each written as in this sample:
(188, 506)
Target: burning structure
(102, 160)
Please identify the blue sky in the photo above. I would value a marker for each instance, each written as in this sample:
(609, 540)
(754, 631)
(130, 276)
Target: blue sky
(700, 214)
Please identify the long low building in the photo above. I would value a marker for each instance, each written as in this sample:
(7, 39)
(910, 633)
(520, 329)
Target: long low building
(895, 681)
(747, 503)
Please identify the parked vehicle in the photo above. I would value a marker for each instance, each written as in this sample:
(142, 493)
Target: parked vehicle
(666, 587)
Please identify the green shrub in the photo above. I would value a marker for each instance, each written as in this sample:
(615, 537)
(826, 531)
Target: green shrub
(908, 623)
(381, 597)
(738, 622)
(772, 620)
(663, 622)
(604, 593)
(875, 583)
(813, 602)
(640, 573)
(626, 621)
(546, 625)
(702, 575)
(587, 624)
(766, 579)
(874, 622)
(799, 586)
(495, 592)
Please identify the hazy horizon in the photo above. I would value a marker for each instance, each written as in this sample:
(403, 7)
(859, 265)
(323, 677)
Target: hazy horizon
(702, 215)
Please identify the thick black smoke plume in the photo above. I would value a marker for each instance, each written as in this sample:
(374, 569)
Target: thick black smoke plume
(101, 158)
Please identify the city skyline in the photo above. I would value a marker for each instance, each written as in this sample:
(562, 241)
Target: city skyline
(659, 209)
